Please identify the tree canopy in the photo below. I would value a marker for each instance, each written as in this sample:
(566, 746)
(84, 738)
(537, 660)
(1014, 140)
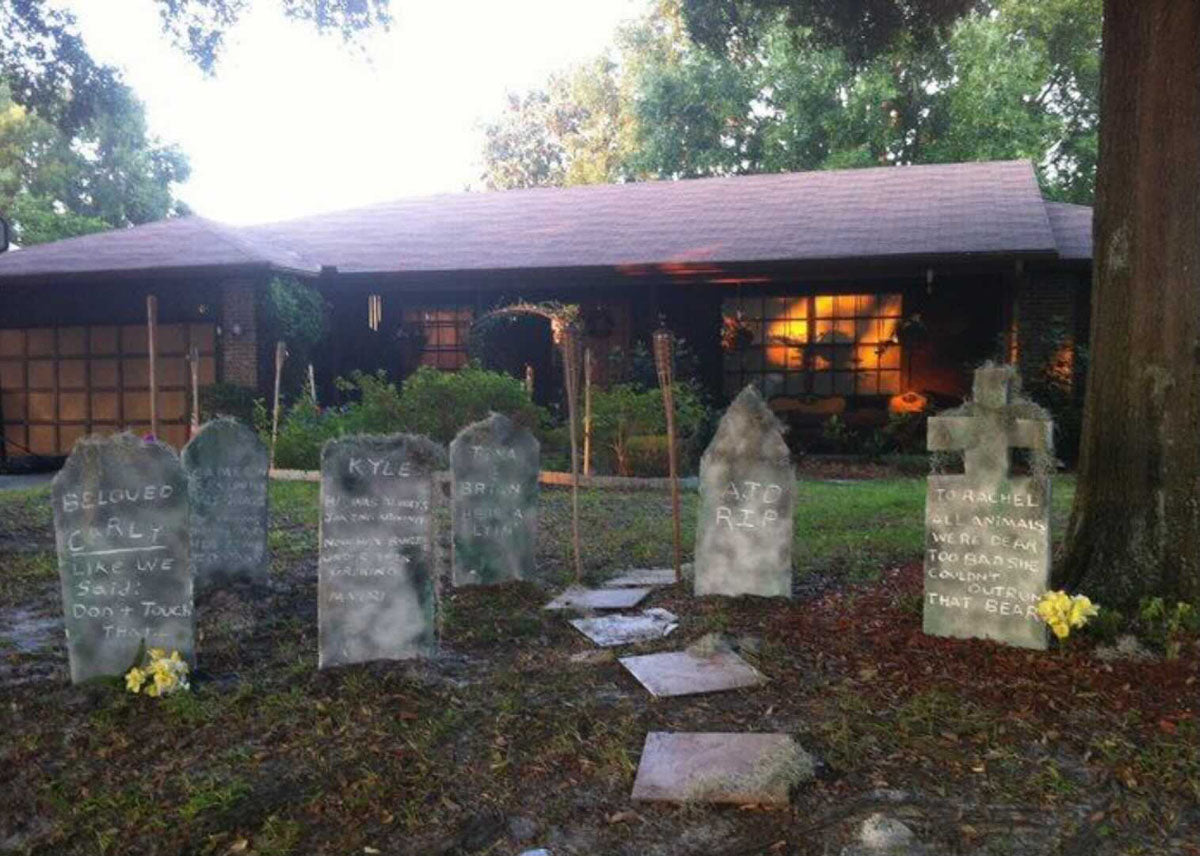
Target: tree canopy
(75, 154)
(1017, 79)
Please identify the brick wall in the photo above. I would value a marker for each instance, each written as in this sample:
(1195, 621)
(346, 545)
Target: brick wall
(1048, 322)
(239, 333)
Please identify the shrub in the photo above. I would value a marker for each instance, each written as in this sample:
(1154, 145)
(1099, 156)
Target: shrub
(303, 430)
(624, 411)
(227, 399)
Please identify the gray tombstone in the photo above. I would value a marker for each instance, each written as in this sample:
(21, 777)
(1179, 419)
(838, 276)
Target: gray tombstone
(121, 527)
(494, 465)
(376, 582)
(987, 548)
(227, 469)
(747, 489)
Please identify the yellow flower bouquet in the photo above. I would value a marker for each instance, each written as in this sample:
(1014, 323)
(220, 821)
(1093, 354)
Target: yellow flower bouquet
(160, 675)
(1063, 611)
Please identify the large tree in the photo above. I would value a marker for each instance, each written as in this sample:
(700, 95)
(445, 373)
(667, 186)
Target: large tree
(1020, 81)
(1135, 526)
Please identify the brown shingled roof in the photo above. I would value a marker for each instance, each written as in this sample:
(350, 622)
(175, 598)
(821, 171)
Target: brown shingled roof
(945, 210)
(1072, 225)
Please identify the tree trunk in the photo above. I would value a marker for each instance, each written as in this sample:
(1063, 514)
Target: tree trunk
(1135, 527)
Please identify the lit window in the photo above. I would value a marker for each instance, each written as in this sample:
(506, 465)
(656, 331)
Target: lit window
(446, 330)
(374, 311)
(824, 345)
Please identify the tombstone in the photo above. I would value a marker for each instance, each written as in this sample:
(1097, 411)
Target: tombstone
(227, 469)
(987, 547)
(747, 488)
(494, 465)
(376, 581)
(121, 528)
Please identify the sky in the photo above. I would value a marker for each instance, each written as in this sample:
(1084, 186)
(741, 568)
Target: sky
(293, 123)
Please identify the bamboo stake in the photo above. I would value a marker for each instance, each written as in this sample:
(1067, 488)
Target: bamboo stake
(570, 352)
(587, 411)
(280, 356)
(312, 383)
(194, 366)
(663, 360)
(529, 380)
(151, 346)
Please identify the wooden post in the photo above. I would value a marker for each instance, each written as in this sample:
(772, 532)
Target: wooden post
(151, 348)
(312, 383)
(570, 353)
(587, 411)
(194, 367)
(663, 361)
(280, 356)
(529, 380)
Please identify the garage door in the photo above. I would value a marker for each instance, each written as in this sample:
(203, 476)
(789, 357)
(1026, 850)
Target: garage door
(59, 383)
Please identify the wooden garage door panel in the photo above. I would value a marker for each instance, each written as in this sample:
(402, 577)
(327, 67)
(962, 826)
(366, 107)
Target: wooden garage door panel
(73, 406)
(41, 374)
(104, 340)
(172, 405)
(43, 439)
(105, 406)
(41, 407)
(172, 371)
(57, 384)
(133, 339)
(12, 404)
(12, 374)
(72, 341)
(72, 374)
(171, 339)
(104, 374)
(12, 343)
(135, 371)
(40, 342)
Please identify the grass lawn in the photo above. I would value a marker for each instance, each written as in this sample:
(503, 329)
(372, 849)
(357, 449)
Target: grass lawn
(521, 726)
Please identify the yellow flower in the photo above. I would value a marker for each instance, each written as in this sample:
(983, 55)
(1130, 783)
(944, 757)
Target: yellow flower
(1062, 611)
(134, 679)
(156, 654)
(1081, 610)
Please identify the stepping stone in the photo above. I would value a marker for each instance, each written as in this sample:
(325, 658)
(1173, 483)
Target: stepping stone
(584, 599)
(715, 767)
(676, 673)
(643, 577)
(609, 630)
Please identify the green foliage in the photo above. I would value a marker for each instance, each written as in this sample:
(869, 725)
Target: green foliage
(1016, 79)
(626, 411)
(303, 430)
(434, 403)
(105, 173)
(294, 312)
(227, 399)
(1167, 626)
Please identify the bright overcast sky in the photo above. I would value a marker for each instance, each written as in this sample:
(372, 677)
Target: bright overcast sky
(293, 123)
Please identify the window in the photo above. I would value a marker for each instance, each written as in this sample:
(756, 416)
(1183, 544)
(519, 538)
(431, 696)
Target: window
(824, 345)
(446, 330)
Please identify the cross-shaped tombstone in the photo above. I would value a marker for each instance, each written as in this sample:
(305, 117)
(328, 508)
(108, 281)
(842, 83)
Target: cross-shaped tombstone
(987, 548)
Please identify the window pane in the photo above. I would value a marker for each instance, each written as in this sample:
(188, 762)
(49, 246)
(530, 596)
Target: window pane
(889, 383)
(844, 306)
(844, 383)
(868, 383)
(890, 358)
(866, 330)
(889, 304)
(824, 306)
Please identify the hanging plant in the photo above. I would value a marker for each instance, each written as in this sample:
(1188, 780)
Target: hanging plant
(736, 333)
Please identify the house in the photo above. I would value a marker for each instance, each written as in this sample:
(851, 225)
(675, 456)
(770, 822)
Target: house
(833, 291)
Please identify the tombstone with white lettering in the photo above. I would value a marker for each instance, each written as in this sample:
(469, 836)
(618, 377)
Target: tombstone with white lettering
(226, 466)
(494, 464)
(121, 527)
(747, 490)
(376, 587)
(987, 545)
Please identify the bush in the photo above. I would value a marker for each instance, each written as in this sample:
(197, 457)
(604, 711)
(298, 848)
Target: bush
(650, 455)
(440, 404)
(624, 411)
(303, 430)
(227, 399)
